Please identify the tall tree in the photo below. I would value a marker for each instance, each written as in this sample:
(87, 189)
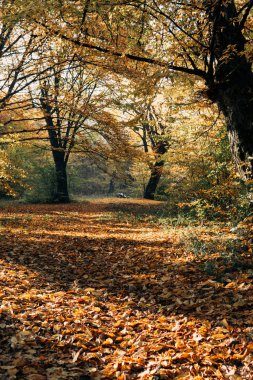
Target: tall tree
(64, 101)
(209, 39)
(75, 109)
(229, 76)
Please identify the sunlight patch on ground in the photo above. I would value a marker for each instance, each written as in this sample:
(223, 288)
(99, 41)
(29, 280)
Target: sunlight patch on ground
(86, 295)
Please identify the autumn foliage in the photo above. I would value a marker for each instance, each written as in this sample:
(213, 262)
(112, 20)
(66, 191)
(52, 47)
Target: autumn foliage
(90, 292)
(128, 99)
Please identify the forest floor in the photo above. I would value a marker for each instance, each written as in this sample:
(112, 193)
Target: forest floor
(100, 290)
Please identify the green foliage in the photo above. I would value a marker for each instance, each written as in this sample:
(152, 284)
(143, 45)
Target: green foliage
(12, 174)
(89, 178)
(196, 246)
(219, 258)
(203, 183)
(41, 183)
(163, 215)
(86, 179)
(29, 173)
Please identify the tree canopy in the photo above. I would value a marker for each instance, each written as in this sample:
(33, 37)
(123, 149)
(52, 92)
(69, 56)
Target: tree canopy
(138, 44)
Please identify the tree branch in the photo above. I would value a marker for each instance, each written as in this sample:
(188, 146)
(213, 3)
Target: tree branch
(132, 57)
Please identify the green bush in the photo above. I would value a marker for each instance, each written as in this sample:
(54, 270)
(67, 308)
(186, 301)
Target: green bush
(41, 183)
(32, 176)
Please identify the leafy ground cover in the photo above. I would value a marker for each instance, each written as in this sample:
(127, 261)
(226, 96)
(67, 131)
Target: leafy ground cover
(92, 291)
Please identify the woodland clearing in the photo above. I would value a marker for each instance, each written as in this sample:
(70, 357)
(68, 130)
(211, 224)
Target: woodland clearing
(96, 290)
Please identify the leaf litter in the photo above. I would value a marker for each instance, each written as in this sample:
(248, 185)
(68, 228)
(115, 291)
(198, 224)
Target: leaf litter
(87, 295)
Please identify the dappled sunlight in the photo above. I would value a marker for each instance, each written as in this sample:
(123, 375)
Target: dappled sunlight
(90, 295)
(102, 102)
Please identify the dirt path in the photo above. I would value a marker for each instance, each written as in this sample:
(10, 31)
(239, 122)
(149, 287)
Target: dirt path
(95, 291)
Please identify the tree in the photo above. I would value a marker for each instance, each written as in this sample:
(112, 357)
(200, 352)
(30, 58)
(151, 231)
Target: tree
(64, 101)
(18, 58)
(154, 135)
(209, 39)
(73, 102)
(157, 133)
(229, 76)
(147, 114)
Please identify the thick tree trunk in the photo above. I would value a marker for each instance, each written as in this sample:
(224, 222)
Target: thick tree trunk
(236, 103)
(61, 194)
(156, 172)
(230, 82)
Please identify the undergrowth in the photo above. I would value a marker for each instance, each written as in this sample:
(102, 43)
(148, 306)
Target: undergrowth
(217, 257)
(220, 258)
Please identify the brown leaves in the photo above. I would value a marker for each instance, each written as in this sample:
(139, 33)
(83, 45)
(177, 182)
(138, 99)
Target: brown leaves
(87, 295)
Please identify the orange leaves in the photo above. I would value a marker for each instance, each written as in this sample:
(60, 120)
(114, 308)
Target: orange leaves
(218, 336)
(250, 347)
(84, 299)
(143, 308)
(107, 342)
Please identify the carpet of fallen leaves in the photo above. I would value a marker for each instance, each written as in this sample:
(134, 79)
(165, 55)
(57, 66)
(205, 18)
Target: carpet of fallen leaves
(88, 294)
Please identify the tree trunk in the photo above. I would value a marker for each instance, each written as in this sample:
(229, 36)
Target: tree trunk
(230, 83)
(156, 172)
(60, 158)
(236, 104)
(61, 194)
(111, 188)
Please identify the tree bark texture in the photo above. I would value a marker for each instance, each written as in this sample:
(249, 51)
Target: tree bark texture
(61, 194)
(230, 82)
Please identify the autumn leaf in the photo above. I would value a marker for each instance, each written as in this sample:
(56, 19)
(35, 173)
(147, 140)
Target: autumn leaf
(68, 325)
